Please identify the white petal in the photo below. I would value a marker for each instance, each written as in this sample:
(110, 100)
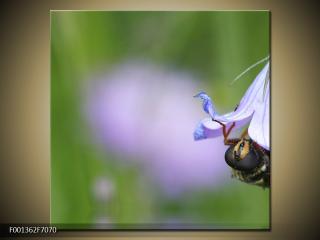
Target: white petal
(208, 128)
(251, 101)
(259, 129)
(247, 103)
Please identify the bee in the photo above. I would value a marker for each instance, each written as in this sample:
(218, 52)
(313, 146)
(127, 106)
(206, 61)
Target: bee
(250, 163)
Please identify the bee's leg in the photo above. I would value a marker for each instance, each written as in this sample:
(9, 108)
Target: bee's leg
(226, 133)
(231, 141)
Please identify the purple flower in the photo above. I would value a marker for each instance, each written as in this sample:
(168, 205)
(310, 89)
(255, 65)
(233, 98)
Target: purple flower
(143, 113)
(253, 109)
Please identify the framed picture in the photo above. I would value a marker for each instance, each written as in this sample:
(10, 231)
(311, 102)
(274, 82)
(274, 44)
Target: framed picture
(160, 120)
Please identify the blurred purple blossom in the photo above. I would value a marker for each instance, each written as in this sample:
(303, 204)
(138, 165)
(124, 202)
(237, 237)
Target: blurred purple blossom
(142, 112)
(253, 108)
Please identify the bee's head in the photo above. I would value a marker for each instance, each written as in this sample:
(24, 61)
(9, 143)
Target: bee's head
(243, 156)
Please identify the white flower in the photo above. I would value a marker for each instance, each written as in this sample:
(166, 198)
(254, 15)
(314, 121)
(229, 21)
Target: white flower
(253, 108)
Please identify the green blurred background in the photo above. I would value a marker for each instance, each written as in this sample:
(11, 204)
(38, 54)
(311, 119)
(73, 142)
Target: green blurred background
(214, 46)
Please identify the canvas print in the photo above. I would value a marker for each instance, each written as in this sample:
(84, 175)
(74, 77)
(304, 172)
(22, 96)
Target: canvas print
(160, 120)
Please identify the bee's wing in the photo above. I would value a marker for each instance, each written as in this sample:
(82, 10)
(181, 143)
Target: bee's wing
(259, 129)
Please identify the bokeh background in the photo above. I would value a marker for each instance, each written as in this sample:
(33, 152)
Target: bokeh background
(122, 118)
(25, 114)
